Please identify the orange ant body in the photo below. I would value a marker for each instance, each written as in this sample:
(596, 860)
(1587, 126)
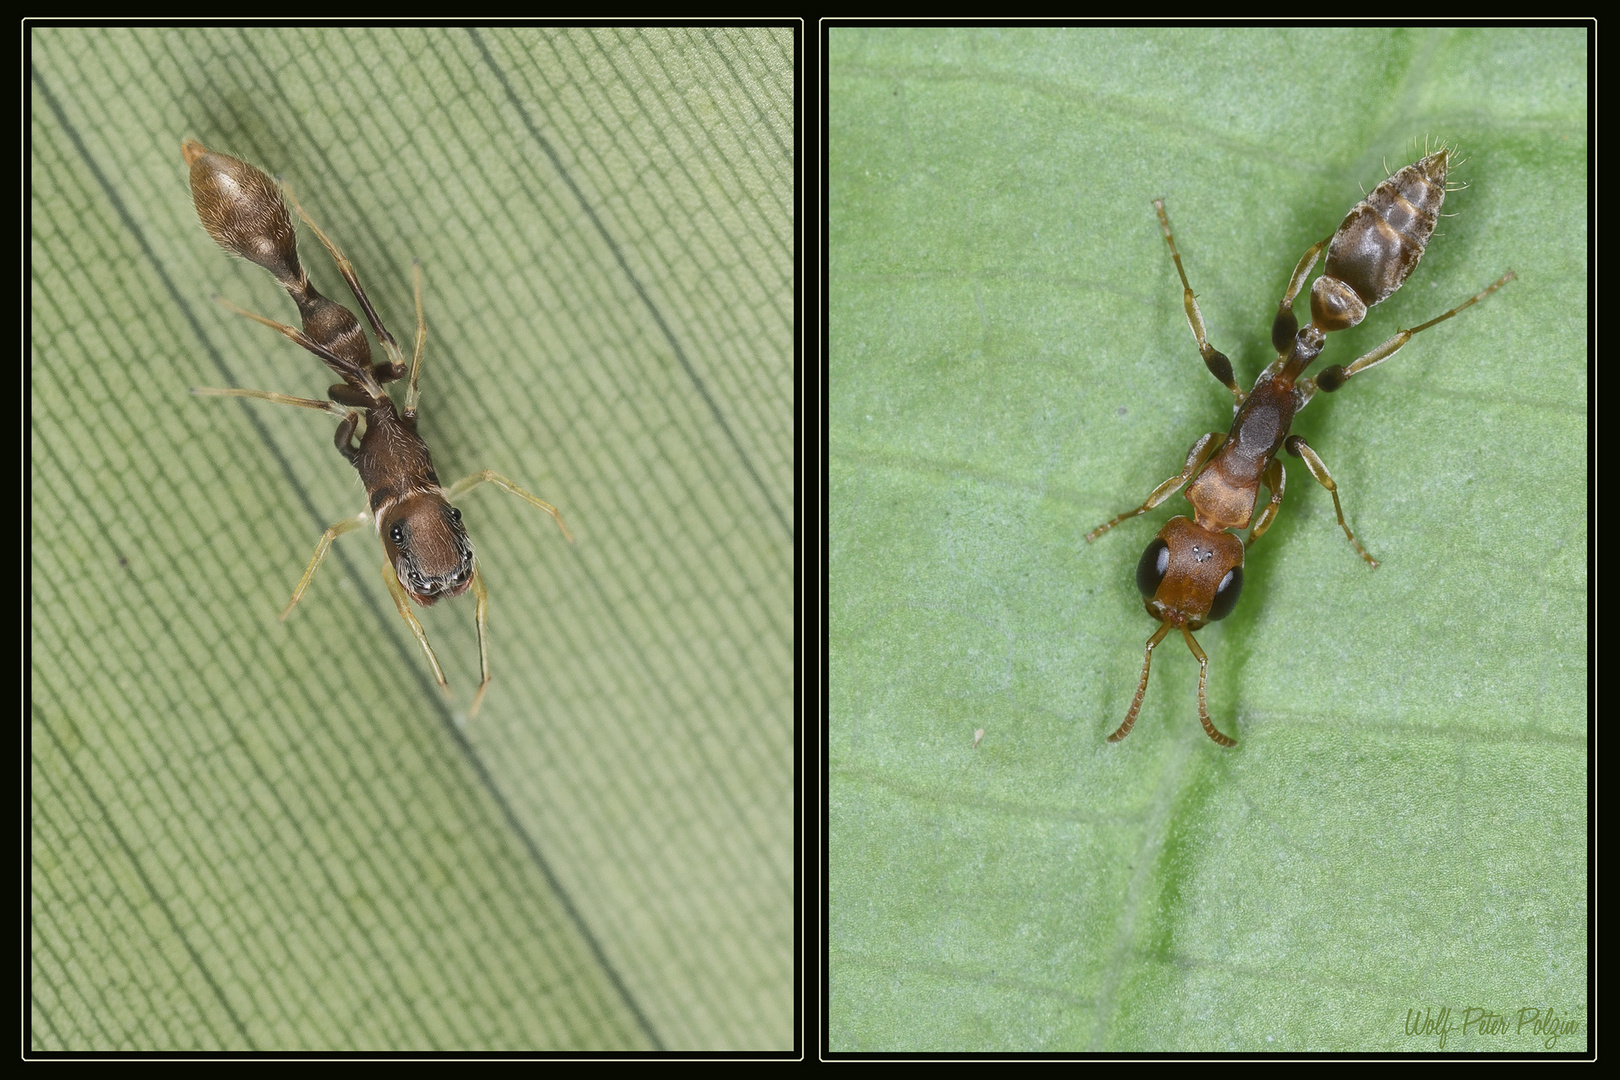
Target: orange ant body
(1192, 572)
(428, 554)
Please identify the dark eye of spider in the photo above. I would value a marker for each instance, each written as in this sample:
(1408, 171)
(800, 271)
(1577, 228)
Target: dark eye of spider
(397, 535)
(1151, 568)
(1226, 594)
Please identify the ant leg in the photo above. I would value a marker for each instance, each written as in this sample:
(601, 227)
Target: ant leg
(1219, 366)
(346, 268)
(343, 437)
(1274, 479)
(412, 390)
(1196, 457)
(332, 533)
(280, 399)
(403, 603)
(467, 483)
(1285, 326)
(291, 333)
(1336, 376)
(1141, 686)
(1203, 710)
(482, 595)
(1297, 446)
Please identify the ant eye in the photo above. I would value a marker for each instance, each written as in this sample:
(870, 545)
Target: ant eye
(1226, 594)
(1151, 570)
(397, 535)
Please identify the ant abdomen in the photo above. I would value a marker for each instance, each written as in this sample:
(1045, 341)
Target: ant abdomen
(1379, 242)
(242, 210)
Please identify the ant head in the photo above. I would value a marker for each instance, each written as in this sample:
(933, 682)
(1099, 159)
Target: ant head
(428, 547)
(1190, 575)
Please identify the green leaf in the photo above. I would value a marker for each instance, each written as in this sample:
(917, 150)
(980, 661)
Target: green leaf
(1402, 824)
(252, 834)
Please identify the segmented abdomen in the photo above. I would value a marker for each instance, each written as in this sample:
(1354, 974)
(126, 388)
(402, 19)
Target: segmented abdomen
(1383, 236)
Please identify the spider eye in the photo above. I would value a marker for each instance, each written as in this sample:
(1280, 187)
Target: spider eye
(397, 535)
(455, 513)
(1151, 569)
(1226, 594)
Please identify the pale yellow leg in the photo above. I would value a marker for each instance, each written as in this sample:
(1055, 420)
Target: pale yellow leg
(280, 399)
(412, 390)
(482, 596)
(467, 483)
(1217, 362)
(1201, 452)
(1319, 471)
(346, 268)
(1276, 476)
(1286, 324)
(1331, 378)
(332, 533)
(403, 603)
(294, 334)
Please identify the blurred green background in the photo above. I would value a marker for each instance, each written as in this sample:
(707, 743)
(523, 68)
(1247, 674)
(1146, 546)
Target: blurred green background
(1402, 825)
(248, 834)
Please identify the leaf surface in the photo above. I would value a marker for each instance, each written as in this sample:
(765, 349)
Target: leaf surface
(249, 834)
(1402, 824)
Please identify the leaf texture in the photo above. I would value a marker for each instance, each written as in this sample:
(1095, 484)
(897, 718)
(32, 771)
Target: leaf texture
(255, 835)
(1402, 824)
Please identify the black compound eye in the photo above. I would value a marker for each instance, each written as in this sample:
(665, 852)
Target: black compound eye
(1226, 594)
(397, 535)
(1151, 569)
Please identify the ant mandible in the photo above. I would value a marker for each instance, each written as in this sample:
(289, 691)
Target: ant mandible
(428, 554)
(1192, 572)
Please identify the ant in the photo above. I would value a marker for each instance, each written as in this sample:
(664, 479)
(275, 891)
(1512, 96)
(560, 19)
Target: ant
(1192, 572)
(427, 554)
